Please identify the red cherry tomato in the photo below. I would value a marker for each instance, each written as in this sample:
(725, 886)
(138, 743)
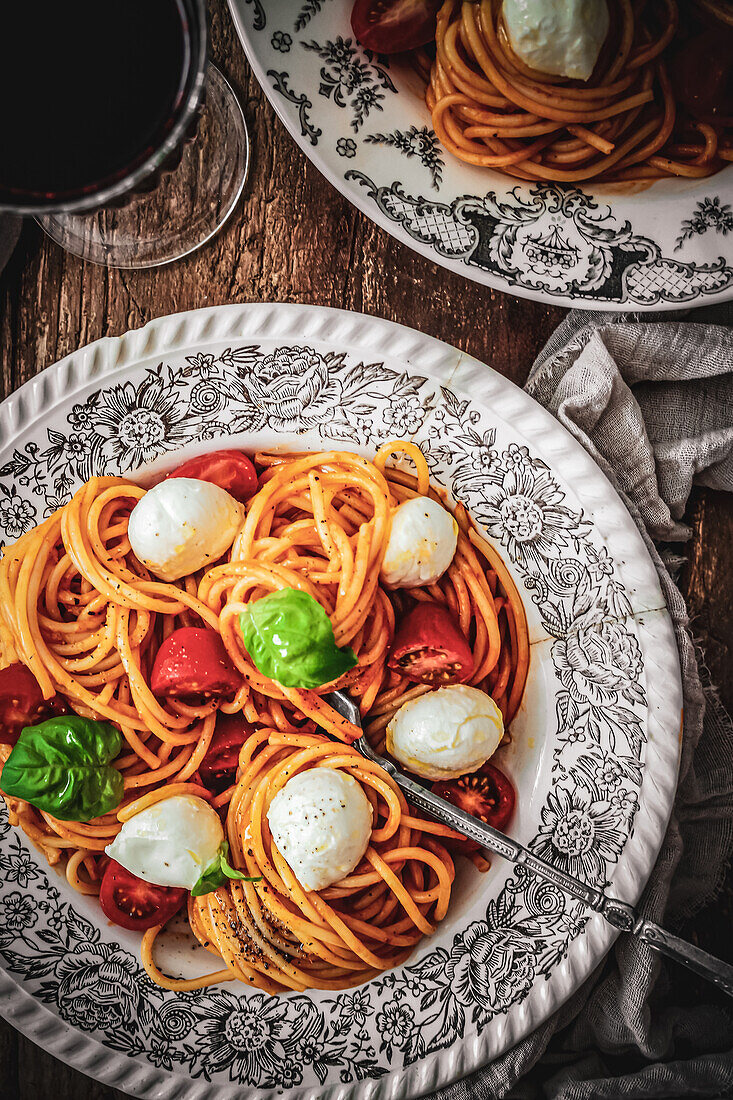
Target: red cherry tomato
(218, 769)
(430, 648)
(22, 703)
(230, 470)
(486, 794)
(133, 903)
(393, 26)
(192, 663)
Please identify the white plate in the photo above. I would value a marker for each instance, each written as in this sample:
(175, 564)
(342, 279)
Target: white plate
(595, 745)
(362, 120)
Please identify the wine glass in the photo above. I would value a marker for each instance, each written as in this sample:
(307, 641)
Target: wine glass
(127, 145)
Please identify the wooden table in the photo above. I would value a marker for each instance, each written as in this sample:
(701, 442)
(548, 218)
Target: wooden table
(294, 239)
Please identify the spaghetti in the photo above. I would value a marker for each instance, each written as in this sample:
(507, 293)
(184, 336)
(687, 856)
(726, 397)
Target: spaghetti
(489, 109)
(81, 612)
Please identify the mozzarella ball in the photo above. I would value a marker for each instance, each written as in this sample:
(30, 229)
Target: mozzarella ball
(422, 542)
(446, 733)
(562, 37)
(182, 525)
(321, 822)
(171, 843)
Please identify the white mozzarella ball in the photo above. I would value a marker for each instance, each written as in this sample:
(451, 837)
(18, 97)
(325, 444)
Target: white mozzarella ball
(446, 733)
(171, 843)
(422, 541)
(182, 525)
(321, 822)
(562, 37)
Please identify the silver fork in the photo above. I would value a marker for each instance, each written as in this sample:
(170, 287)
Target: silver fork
(619, 914)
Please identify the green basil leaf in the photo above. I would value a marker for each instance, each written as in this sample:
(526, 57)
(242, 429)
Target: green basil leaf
(63, 766)
(211, 879)
(217, 873)
(232, 872)
(289, 638)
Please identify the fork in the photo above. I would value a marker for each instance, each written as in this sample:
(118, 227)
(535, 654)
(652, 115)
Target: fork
(619, 914)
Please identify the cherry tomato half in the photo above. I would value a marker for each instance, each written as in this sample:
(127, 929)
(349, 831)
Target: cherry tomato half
(22, 703)
(192, 663)
(218, 769)
(133, 903)
(430, 648)
(486, 794)
(393, 26)
(230, 470)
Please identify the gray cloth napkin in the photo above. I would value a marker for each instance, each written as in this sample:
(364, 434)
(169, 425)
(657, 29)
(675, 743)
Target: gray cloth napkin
(652, 401)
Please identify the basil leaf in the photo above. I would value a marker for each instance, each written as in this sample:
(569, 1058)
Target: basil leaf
(211, 879)
(217, 873)
(63, 766)
(232, 872)
(289, 637)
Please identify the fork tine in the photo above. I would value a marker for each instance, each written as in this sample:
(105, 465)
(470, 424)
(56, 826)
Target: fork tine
(345, 706)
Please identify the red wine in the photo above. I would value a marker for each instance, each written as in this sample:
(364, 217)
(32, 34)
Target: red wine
(89, 90)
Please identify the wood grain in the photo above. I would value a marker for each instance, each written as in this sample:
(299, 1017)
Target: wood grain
(295, 239)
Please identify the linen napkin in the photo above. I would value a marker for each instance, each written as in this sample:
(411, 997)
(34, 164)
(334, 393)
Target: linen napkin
(652, 401)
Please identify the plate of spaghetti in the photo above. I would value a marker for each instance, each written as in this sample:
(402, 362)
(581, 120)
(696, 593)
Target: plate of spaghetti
(208, 526)
(574, 152)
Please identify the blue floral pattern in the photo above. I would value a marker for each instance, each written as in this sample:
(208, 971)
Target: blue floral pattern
(247, 1037)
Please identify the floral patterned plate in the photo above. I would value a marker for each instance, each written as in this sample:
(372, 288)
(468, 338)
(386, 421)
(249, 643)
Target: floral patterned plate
(362, 120)
(594, 749)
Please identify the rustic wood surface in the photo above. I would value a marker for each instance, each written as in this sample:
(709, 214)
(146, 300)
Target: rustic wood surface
(293, 238)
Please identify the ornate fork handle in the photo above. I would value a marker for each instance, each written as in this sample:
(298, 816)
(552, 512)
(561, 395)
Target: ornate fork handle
(617, 913)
